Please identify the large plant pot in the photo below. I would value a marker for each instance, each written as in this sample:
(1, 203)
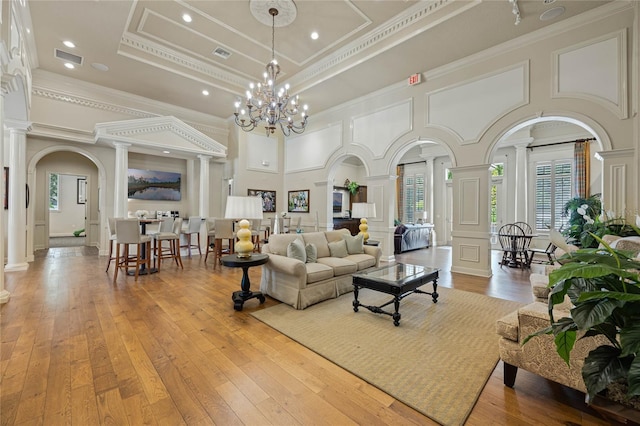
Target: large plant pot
(615, 412)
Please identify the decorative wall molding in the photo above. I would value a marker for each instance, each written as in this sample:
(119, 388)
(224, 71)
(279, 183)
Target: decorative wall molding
(616, 199)
(312, 150)
(469, 196)
(376, 131)
(470, 107)
(469, 253)
(587, 84)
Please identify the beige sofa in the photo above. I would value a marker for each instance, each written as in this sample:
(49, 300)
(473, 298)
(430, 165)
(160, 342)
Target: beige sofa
(301, 284)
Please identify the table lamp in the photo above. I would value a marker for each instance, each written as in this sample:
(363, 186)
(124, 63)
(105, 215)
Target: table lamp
(243, 208)
(363, 211)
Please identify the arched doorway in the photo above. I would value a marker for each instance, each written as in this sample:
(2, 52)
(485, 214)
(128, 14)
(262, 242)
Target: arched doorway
(85, 175)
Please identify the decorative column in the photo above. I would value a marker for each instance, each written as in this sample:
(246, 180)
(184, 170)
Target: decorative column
(204, 185)
(4, 294)
(521, 181)
(120, 196)
(471, 251)
(191, 189)
(429, 186)
(17, 223)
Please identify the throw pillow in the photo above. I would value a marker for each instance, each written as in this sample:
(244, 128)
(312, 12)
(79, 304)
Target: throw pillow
(296, 250)
(312, 253)
(354, 244)
(338, 249)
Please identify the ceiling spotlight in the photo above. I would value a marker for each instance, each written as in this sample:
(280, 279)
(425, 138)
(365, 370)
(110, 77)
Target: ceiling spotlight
(69, 44)
(186, 18)
(166, 152)
(205, 92)
(69, 65)
(314, 35)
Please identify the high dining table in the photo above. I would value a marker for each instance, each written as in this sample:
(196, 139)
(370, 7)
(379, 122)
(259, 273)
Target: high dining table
(143, 231)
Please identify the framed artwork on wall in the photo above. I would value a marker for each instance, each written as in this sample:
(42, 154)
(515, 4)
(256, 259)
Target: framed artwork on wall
(153, 185)
(298, 201)
(268, 199)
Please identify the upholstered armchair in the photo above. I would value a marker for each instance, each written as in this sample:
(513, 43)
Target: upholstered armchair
(539, 354)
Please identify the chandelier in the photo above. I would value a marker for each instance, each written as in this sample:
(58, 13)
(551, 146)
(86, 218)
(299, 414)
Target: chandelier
(263, 103)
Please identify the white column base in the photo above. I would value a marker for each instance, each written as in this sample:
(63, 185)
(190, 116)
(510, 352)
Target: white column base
(16, 267)
(4, 296)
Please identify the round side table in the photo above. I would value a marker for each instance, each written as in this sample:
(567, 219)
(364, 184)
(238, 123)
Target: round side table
(233, 261)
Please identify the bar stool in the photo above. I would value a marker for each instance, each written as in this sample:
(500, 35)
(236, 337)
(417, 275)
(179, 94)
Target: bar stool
(195, 222)
(211, 236)
(223, 231)
(172, 235)
(127, 234)
(111, 227)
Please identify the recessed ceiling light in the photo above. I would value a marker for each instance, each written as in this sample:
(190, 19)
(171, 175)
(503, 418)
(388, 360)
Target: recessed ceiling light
(314, 35)
(550, 14)
(99, 66)
(28, 30)
(69, 65)
(186, 17)
(205, 92)
(166, 152)
(69, 44)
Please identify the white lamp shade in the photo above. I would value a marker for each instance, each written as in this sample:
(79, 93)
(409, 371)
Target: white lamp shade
(243, 207)
(361, 210)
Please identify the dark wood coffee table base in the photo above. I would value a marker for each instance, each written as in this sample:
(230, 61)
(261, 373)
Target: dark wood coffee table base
(398, 290)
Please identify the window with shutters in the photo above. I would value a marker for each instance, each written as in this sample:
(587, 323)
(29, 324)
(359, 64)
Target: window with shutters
(414, 195)
(553, 188)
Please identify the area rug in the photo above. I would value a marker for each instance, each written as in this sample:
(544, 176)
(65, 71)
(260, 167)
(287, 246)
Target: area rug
(437, 361)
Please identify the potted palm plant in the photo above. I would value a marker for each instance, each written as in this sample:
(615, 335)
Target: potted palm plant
(604, 287)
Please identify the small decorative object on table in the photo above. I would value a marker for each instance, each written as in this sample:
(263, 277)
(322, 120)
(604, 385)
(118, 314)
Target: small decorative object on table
(141, 214)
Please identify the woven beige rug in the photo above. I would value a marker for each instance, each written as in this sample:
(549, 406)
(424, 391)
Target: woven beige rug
(437, 360)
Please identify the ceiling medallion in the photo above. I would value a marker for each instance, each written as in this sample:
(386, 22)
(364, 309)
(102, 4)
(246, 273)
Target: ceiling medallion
(263, 101)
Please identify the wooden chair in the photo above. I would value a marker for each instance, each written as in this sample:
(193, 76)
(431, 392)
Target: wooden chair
(549, 252)
(195, 223)
(127, 235)
(171, 233)
(513, 241)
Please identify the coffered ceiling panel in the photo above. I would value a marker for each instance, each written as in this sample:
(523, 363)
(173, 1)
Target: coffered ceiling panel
(363, 45)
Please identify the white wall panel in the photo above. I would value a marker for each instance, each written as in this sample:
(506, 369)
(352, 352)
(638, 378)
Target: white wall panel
(262, 153)
(469, 108)
(376, 131)
(469, 253)
(311, 150)
(469, 201)
(602, 80)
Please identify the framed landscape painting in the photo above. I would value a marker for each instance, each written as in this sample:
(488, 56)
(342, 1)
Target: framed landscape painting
(268, 199)
(153, 185)
(299, 201)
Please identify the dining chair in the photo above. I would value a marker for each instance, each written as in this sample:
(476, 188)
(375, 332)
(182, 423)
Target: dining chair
(170, 233)
(210, 224)
(255, 233)
(128, 234)
(223, 233)
(111, 227)
(528, 231)
(549, 252)
(512, 240)
(193, 227)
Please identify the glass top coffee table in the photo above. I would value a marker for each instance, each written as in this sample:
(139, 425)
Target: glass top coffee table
(398, 280)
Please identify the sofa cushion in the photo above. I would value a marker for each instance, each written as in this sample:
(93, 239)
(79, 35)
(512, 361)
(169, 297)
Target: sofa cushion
(336, 235)
(297, 250)
(627, 243)
(278, 243)
(338, 249)
(312, 253)
(340, 266)
(320, 241)
(318, 272)
(354, 244)
(363, 261)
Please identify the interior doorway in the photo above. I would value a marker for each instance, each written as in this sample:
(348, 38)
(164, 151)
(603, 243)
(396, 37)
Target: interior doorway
(67, 196)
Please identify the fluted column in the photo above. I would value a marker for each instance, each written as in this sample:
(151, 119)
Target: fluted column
(429, 186)
(17, 223)
(521, 199)
(192, 195)
(204, 185)
(120, 195)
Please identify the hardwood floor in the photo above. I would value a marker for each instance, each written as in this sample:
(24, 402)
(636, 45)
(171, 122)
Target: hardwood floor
(169, 349)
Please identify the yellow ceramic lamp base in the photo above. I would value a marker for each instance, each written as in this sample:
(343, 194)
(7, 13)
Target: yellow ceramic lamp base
(244, 246)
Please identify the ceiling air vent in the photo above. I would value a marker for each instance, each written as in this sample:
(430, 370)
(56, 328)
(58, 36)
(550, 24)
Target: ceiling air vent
(224, 54)
(68, 57)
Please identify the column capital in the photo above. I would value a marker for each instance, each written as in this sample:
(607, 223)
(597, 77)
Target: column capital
(523, 143)
(17, 124)
(121, 145)
(203, 157)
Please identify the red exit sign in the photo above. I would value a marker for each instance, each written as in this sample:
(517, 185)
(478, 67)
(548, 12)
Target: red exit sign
(414, 79)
